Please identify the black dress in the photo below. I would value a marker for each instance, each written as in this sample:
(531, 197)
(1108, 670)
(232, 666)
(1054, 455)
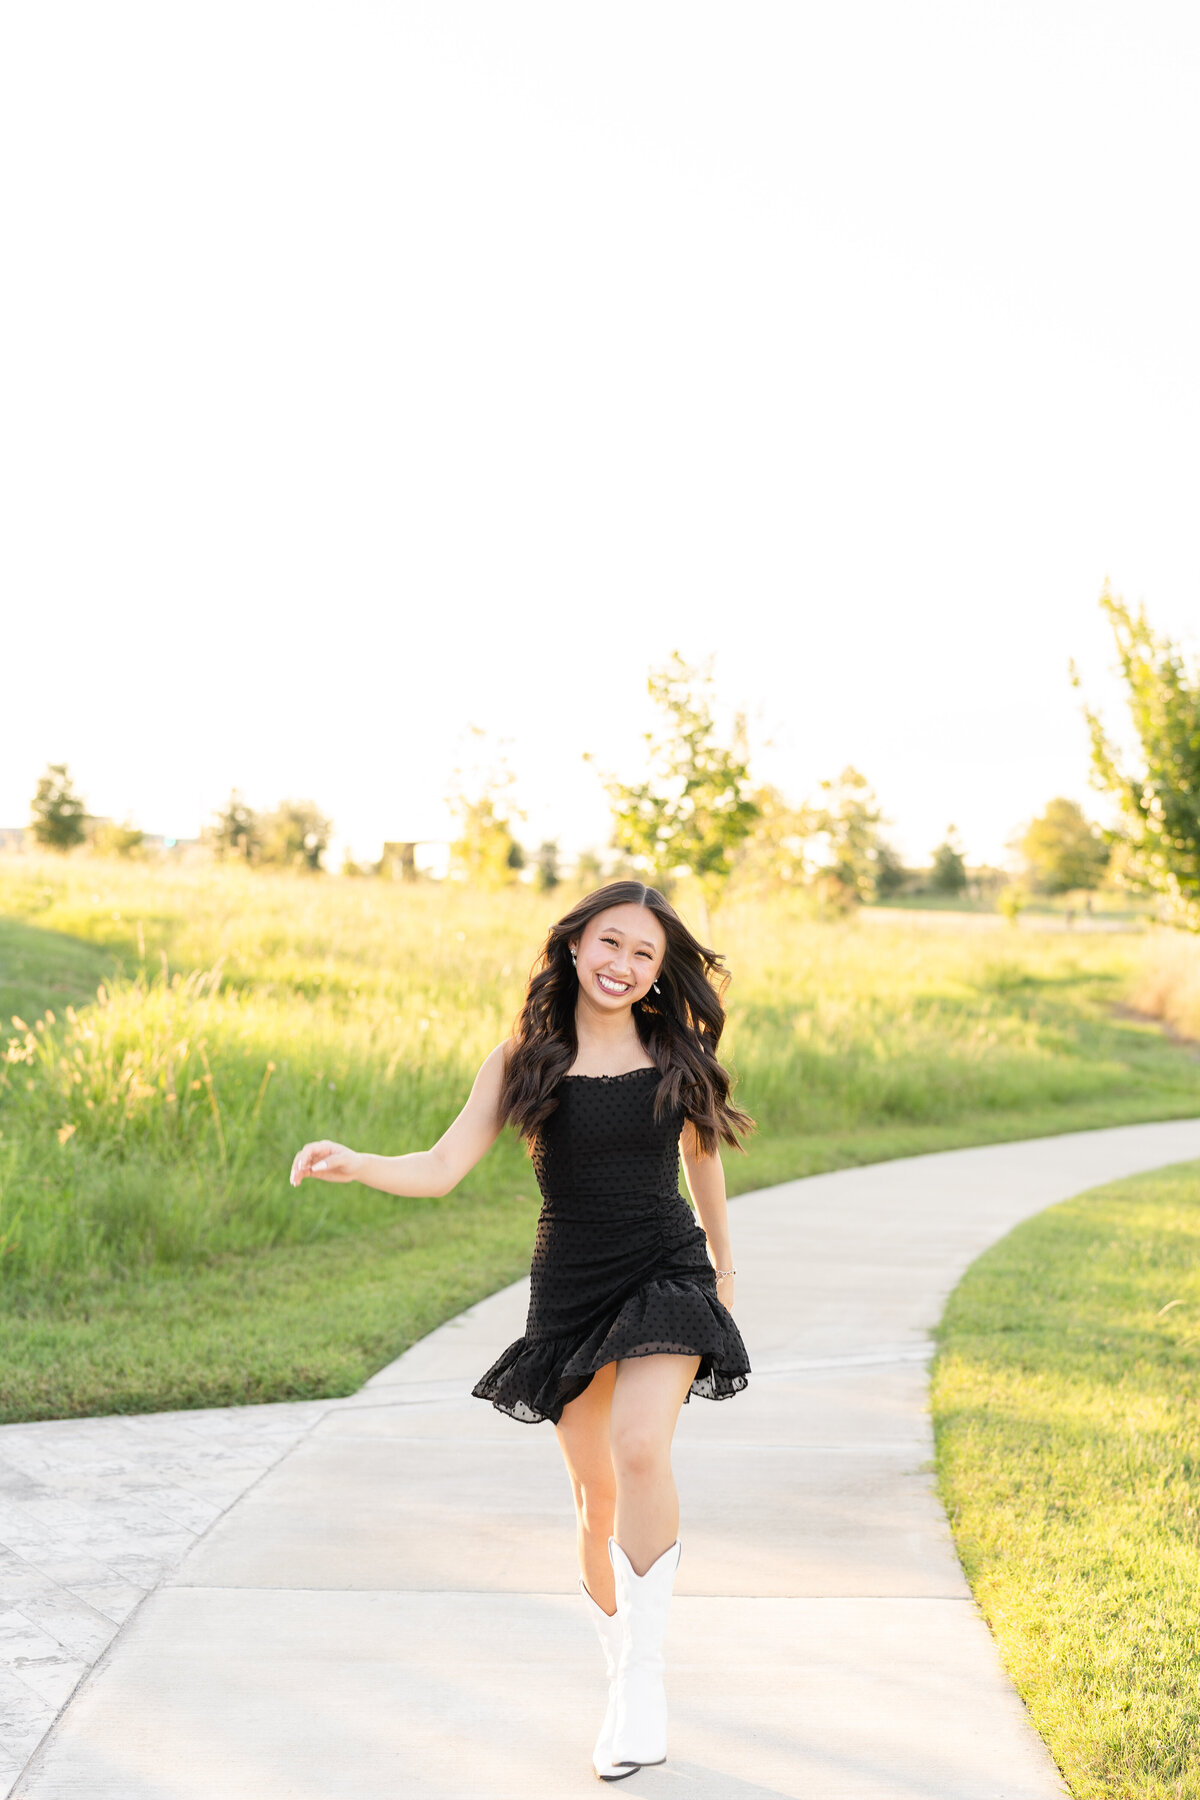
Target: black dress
(620, 1266)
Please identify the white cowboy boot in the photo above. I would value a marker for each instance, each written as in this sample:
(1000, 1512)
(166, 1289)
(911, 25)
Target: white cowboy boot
(611, 1632)
(643, 1601)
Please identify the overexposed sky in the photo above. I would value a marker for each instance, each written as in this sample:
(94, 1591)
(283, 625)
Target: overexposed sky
(373, 371)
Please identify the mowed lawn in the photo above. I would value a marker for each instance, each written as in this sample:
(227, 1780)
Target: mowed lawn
(1066, 1403)
(181, 1031)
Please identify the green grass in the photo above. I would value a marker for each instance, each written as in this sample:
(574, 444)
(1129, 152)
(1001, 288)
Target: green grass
(1066, 1403)
(145, 1138)
(280, 1324)
(40, 968)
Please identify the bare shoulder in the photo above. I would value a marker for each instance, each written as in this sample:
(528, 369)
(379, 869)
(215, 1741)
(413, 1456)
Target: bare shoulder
(493, 1066)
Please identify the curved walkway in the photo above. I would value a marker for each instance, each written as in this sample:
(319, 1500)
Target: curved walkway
(391, 1609)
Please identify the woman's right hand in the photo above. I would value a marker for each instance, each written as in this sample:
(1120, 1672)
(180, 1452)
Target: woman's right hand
(326, 1161)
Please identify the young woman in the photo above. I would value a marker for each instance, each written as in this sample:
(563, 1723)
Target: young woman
(611, 1075)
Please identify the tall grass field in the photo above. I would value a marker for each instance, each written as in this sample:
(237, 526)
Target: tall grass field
(175, 1033)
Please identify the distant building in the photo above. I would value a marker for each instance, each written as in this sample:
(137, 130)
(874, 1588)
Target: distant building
(404, 859)
(399, 861)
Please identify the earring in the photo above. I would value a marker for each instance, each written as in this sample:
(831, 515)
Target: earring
(574, 959)
(656, 987)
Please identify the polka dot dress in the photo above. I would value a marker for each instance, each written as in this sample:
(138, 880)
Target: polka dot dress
(620, 1266)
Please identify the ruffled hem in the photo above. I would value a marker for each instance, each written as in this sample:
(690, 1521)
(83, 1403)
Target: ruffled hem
(536, 1377)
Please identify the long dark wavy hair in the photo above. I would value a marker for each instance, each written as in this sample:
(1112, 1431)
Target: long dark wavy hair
(680, 1027)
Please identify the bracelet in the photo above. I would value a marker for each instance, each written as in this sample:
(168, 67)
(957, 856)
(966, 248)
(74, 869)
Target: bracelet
(721, 1272)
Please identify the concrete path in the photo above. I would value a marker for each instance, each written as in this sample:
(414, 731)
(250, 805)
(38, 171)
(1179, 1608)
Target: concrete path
(94, 1514)
(391, 1609)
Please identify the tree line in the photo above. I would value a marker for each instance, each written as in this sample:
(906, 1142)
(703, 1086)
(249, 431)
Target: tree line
(295, 834)
(671, 823)
(697, 811)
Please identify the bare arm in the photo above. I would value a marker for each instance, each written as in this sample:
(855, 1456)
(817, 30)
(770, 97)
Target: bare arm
(706, 1184)
(420, 1173)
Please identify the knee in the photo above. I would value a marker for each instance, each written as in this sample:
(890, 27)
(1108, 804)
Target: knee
(638, 1454)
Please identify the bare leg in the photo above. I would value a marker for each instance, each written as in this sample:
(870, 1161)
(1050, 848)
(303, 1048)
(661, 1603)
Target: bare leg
(646, 1397)
(583, 1432)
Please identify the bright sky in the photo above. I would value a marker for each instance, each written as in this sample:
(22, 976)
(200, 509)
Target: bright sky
(373, 371)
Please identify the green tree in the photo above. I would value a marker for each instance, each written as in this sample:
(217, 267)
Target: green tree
(1063, 850)
(1159, 801)
(296, 835)
(847, 822)
(57, 813)
(485, 852)
(890, 872)
(1011, 902)
(547, 865)
(776, 852)
(949, 873)
(111, 839)
(694, 808)
(236, 831)
(589, 870)
(831, 847)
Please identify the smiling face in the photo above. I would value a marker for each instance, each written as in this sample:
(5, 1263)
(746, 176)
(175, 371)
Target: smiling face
(618, 955)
